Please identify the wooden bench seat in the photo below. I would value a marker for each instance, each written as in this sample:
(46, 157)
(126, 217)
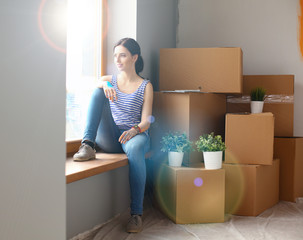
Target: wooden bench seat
(104, 162)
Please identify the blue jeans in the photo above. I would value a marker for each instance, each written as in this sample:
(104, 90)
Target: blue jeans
(102, 130)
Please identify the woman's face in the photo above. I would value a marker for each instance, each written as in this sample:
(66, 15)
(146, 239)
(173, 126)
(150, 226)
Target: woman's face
(123, 59)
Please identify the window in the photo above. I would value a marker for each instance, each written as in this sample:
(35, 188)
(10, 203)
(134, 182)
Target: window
(83, 61)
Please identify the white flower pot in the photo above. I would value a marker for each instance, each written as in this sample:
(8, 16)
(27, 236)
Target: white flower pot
(256, 106)
(213, 160)
(175, 159)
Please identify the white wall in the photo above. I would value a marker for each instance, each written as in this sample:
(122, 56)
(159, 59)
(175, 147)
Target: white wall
(156, 28)
(32, 124)
(151, 23)
(122, 19)
(95, 200)
(267, 32)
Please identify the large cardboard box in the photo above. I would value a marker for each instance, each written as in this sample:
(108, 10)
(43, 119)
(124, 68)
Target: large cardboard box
(191, 195)
(193, 113)
(279, 100)
(216, 70)
(251, 189)
(290, 152)
(249, 138)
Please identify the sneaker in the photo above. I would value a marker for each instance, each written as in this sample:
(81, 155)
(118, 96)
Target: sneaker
(134, 224)
(85, 153)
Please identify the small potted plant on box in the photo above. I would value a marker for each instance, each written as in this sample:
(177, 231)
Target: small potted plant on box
(257, 96)
(212, 147)
(176, 143)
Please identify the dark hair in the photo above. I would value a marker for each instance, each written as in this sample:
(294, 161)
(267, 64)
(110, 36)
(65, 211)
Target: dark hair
(134, 48)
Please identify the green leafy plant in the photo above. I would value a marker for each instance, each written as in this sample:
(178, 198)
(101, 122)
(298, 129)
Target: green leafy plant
(210, 143)
(176, 142)
(257, 94)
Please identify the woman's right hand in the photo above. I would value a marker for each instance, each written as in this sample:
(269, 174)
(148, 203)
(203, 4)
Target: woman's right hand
(109, 91)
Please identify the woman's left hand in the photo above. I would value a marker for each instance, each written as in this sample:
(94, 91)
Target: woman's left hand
(127, 135)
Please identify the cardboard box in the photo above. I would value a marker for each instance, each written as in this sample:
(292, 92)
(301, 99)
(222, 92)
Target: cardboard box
(191, 195)
(249, 138)
(217, 70)
(193, 113)
(251, 189)
(290, 152)
(279, 101)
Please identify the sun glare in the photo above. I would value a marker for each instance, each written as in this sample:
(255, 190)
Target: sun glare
(52, 20)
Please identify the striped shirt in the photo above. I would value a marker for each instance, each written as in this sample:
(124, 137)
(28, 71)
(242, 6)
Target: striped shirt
(127, 109)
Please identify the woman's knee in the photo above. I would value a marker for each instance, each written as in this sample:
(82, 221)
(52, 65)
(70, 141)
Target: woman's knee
(134, 149)
(98, 93)
(137, 146)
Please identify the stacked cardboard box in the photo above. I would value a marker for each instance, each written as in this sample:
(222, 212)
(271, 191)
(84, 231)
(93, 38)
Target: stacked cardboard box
(290, 152)
(279, 101)
(251, 188)
(252, 176)
(251, 162)
(216, 70)
(201, 75)
(193, 113)
(208, 70)
(191, 195)
(249, 138)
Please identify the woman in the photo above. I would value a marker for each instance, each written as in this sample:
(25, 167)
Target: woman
(118, 120)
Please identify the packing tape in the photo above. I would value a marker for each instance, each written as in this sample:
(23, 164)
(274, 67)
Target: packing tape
(279, 98)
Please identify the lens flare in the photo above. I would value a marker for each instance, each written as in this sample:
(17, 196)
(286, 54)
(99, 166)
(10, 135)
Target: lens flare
(163, 196)
(236, 184)
(52, 21)
(151, 118)
(198, 182)
(55, 14)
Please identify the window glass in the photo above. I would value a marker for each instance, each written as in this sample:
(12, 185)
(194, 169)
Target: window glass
(83, 61)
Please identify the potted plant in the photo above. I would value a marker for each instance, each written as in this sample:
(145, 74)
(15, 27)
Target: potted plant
(257, 96)
(176, 143)
(212, 147)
